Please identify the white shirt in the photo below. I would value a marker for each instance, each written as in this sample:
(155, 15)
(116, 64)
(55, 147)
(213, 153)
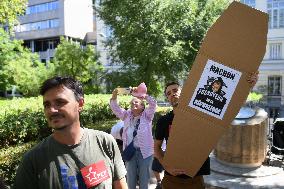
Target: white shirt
(115, 130)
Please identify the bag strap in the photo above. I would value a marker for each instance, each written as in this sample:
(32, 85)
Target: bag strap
(136, 128)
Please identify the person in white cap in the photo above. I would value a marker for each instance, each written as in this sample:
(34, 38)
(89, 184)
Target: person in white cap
(116, 132)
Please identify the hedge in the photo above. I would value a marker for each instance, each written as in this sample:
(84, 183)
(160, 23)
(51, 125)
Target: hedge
(23, 120)
(10, 158)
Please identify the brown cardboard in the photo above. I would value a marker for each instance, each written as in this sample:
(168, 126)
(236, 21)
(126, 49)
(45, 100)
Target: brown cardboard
(237, 41)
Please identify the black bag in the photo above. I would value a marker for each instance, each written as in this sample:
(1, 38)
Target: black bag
(128, 152)
(278, 138)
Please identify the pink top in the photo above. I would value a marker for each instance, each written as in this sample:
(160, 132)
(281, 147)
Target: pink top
(144, 133)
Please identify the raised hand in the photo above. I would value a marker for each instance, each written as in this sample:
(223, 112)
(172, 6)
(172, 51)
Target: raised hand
(252, 78)
(114, 94)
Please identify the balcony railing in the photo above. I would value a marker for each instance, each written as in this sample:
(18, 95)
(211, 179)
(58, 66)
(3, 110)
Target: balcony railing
(48, 53)
(273, 60)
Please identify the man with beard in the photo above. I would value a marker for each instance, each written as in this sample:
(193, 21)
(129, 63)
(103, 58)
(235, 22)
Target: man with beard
(72, 156)
(176, 178)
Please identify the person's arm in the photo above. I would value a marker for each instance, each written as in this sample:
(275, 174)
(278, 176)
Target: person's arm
(120, 184)
(119, 170)
(158, 152)
(25, 175)
(151, 109)
(252, 78)
(116, 109)
(160, 135)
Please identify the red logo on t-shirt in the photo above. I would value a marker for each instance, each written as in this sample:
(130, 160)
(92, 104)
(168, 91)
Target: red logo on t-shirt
(95, 174)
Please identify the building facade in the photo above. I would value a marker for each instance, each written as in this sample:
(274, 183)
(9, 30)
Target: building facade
(271, 70)
(45, 21)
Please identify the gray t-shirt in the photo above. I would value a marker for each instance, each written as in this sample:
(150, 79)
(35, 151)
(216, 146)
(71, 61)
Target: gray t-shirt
(52, 165)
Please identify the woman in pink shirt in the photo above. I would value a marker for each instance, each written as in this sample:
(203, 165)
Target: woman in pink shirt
(138, 118)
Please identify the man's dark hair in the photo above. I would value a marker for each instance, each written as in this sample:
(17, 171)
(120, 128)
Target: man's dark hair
(170, 83)
(68, 82)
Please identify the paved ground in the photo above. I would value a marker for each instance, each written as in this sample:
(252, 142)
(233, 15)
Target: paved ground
(222, 176)
(265, 176)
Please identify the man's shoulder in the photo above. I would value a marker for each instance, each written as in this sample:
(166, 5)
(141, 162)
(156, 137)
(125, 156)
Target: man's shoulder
(100, 135)
(164, 121)
(38, 149)
(166, 117)
(96, 132)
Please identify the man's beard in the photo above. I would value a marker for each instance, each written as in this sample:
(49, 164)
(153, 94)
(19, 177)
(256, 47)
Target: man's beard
(60, 128)
(54, 116)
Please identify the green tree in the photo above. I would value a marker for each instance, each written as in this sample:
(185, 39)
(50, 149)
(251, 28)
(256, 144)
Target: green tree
(10, 10)
(80, 62)
(157, 40)
(20, 67)
(29, 73)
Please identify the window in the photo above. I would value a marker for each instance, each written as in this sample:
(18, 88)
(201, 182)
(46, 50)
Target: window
(274, 85)
(275, 10)
(51, 59)
(53, 23)
(44, 45)
(275, 51)
(249, 2)
(53, 5)
(38, 25)
(41, 46)
(50, 44)
(38, 46)
(44, 25)
(42, 7)
(27, 44)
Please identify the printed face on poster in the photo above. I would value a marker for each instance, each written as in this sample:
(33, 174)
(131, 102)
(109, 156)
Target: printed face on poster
(215, 89)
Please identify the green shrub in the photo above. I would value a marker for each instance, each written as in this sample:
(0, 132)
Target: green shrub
(10, 158)
(103, 125)
(22, 120)
(254, 97)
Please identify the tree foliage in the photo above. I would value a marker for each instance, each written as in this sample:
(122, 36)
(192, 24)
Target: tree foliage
(10, 10)
(80, 62)
(157, 40)
(20, 67)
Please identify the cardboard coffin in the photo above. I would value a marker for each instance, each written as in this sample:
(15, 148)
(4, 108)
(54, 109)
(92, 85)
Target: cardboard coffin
(216, 87)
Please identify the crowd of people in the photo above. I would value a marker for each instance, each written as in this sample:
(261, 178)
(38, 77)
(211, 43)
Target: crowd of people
(76, 157)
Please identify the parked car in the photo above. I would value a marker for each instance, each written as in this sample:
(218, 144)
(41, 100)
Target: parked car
(163, 104)
(9, 94)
